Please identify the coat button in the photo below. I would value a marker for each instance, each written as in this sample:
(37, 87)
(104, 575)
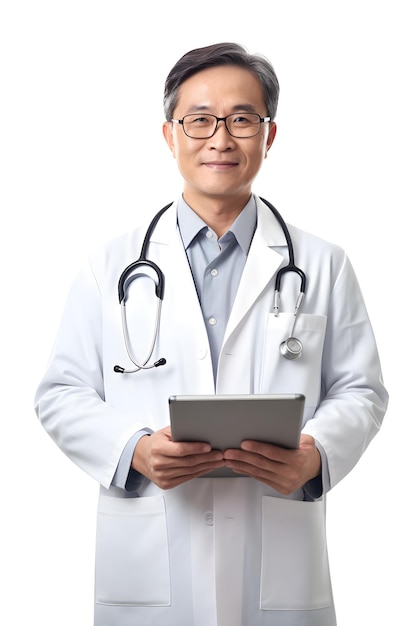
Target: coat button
(209, 518)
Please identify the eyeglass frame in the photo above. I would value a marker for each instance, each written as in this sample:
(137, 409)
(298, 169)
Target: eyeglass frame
(262, 120)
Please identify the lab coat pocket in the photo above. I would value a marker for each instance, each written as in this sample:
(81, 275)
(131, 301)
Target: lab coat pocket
(302, 375)
(295, 572)
(132, 562)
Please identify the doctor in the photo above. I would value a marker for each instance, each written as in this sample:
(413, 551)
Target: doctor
(175, 548)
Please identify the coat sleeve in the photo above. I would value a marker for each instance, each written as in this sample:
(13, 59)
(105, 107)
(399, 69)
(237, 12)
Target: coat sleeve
(70, 400)
(354, 398)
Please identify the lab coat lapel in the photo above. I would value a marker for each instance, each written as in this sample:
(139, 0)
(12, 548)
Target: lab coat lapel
(262, 264)
(178, 275)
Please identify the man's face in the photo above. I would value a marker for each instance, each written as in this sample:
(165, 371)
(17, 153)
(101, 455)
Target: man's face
(221, 166)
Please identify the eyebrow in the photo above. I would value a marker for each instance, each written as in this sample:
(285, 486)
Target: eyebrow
(249, 108)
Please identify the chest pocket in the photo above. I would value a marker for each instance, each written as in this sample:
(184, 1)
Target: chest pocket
(302, 375)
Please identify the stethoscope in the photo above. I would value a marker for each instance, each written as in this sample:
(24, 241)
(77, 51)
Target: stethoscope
(291, 348)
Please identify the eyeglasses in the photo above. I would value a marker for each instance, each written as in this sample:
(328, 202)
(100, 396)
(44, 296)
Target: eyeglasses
(239, 125)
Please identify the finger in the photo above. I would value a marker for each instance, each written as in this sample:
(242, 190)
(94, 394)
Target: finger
(269, 450)
(186, 464)
(189, 449)
(168, 478)
(250, 458)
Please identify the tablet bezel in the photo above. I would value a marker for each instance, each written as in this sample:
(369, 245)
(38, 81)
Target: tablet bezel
(225, 421)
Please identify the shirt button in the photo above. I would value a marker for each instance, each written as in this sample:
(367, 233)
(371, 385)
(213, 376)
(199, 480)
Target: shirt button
(212, 321)
(209, 234)
(214, 272)
(209, 518)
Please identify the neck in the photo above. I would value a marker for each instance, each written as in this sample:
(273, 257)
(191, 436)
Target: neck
(218, 213)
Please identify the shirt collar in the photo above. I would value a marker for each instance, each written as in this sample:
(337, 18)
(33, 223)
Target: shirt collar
(243, 228)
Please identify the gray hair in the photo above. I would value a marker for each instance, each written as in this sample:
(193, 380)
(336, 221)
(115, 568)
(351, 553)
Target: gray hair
(221, 54)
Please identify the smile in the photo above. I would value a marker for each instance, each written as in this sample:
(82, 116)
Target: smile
(220, 165)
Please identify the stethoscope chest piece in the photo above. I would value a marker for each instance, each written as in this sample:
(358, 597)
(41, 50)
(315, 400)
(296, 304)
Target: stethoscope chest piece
(291, 348)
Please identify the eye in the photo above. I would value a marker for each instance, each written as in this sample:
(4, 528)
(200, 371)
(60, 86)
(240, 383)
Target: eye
(198, 120)
(240, 119)
(245, 119)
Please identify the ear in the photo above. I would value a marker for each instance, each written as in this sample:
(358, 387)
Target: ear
(271, 136)
(167, 130)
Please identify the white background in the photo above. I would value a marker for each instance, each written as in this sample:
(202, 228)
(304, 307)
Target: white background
(83, 159)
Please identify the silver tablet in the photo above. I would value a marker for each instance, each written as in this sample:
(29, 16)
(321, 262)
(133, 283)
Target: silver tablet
(225, 421)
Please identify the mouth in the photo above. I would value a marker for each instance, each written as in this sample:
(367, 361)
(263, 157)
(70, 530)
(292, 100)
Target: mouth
(220, 166)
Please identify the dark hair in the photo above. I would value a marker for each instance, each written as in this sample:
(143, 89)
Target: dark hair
(221, 54)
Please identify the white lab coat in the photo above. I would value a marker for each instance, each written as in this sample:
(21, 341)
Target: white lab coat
(214, 551)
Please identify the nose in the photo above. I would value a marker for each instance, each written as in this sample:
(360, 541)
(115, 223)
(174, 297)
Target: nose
(221, 139)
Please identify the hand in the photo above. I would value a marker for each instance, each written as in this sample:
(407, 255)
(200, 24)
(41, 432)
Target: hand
(168, 463)
(284, 470)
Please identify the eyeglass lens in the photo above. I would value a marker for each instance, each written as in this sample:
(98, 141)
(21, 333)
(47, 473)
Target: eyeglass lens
(238, 125)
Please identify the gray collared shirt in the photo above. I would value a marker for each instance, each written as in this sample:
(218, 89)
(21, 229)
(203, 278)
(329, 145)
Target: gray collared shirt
(216, 265)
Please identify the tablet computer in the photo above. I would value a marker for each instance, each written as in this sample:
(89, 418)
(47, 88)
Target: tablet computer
(225, 421)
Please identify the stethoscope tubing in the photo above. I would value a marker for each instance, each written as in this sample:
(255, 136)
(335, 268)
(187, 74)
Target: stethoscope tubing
(291, 266)
(291, 348)
(144, 261)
